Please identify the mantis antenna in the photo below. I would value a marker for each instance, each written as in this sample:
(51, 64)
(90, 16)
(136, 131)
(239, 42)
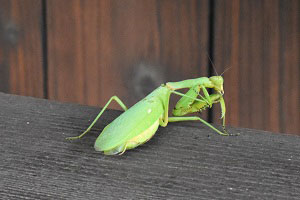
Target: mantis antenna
(214, 67)
(225, 70)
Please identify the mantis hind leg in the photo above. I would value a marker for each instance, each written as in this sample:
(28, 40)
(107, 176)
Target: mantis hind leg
(99, 115)
(179, 119)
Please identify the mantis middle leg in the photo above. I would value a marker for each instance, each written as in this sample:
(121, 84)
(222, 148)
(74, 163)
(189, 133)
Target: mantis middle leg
(179, 119)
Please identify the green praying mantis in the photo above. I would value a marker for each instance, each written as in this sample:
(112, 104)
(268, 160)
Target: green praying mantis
(139, 123)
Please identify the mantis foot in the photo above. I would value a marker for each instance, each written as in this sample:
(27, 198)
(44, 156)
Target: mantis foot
(230, 134)
(72, 138)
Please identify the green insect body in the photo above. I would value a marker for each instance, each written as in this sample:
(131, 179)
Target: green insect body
(131, 132)
(139, 123)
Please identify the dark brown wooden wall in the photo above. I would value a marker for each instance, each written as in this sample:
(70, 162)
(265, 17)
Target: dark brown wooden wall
(86, 51)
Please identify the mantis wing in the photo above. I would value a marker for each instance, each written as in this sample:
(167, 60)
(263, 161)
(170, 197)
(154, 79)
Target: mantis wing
(130, 123)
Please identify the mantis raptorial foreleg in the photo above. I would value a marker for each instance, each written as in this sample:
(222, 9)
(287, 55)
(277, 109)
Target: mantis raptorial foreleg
(166, 119)
(198, 106)
(186, 105)
(187, 98)
(184, 102)
(223, 110)
(99, 115)
(193, 92)
(207, 97)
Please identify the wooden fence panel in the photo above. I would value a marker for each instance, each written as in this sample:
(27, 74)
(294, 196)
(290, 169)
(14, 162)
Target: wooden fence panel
(98, 49)
(21, 57)
(259, 40)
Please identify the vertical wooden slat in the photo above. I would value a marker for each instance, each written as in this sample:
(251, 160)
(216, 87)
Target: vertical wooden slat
(226, 43)
(21, 47)
(289, 89)
(134, 43)
(64, 56)
(260, 41)
(184, 40)
(127, 48)
(97, 42)
(270, 65)
(255, 67)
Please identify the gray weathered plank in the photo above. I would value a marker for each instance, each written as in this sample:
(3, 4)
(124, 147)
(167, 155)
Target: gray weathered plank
(182, 161)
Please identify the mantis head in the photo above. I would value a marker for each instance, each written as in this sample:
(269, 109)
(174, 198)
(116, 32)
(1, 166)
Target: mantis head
(217, 82)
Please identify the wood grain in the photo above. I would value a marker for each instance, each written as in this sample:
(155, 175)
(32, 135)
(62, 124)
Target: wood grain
(182, 160)
(98, 49)
(259, 40)
(21, 67)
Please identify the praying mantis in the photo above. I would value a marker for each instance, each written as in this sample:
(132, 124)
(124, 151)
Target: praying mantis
(139, 123)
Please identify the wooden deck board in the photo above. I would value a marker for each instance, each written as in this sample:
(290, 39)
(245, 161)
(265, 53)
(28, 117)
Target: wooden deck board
(182, 161)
